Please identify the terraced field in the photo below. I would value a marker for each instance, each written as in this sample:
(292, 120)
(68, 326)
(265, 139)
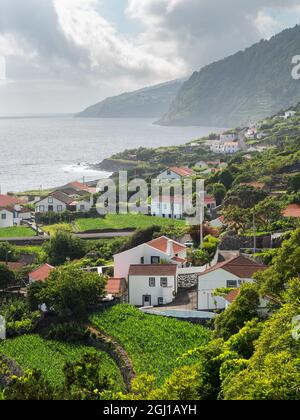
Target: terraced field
(155, 344)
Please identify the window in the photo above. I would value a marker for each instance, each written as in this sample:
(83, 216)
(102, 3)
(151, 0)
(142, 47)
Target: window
(42, 209)
(152, 282)
(232, 284)
(3, 216)
(142, 260)
(168, 172)
(82, 207)
(155, 260)
(164, 282)
(160, 301)
(50, 200)
(59, 208)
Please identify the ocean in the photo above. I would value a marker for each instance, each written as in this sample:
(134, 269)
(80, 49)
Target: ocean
(48, 152)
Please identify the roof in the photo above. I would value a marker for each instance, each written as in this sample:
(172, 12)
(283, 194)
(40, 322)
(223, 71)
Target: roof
(240, 266)
(182, 171)
(293, 210)
(115, 286)
(41, 273)
(153, 270)
(15, 266)
(178, 259)
(61, 196)
(80, 186)
(73, 191)
(232, 295)
(162, 245)
(8, 201)
(208, 199)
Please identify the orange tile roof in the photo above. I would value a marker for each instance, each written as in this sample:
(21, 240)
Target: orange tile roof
(115, 286)
(182, 171)
(8, 201)
(232, 295)
(208, 199)
(162, 244)
(241, 267)
(153, 270)
(41, 273)
(180, 260)
(293, 210)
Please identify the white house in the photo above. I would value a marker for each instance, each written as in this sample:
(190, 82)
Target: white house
(12, 212)
(289, 114)
(251, 133)
(228, 137)
(60, 201)
(156, 251)
(152, 285)
(175, 173)
(168, 207)
(231, 147)
(228, 274)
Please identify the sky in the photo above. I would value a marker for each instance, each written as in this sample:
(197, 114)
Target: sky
(64, 55)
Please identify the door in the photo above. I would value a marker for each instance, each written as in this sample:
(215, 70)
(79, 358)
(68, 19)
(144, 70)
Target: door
(50, 208)
(146, 300)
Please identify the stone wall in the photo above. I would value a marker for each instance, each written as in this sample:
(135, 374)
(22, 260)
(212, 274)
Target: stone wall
(187, 280)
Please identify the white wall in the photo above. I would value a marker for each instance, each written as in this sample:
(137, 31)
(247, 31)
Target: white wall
(139, 286)
(164, 175)
(161, 209)
(6, 218)
(45, 202)
(207, 283)
(123, 261)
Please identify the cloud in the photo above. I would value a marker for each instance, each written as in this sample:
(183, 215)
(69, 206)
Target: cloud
(69, 43)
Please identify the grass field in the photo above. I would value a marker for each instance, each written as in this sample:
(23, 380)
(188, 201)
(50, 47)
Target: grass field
(16, 232)
(34, 352)
(123, 221)
(154, 343)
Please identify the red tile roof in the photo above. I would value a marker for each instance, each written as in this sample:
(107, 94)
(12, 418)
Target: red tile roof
(293, 210)
(15, 266)
(153, 270)
(41, 273)
(208, 199)
(180, 260)
(241, 267)
(162, 244)
(182, 171)
(231, 296)
(115, 286)
(8, 201)
(80, 186)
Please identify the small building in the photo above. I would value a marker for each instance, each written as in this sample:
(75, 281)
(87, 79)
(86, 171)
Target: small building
(60, 201)
(152, 285)
(175, 173)
(116, 289)
(12, 211)
(228, 274)
(289, 114)
(231, 147)
(41, 274)
(228, 137)
(210, 202)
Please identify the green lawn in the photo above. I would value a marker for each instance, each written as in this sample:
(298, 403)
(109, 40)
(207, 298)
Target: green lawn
(154, 343)
(16, 232)
(123, 221)
(34, 352)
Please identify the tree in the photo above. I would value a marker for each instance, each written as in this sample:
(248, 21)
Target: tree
(294, 183)
(243, 309)
(64, 246)
(31, 386)
(140, 237)
(219, 192)
(244, 196)
(226, 179)
(7, 277)
(71, 291)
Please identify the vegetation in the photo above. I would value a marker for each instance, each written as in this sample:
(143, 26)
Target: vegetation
(16, 232)
(154, 343)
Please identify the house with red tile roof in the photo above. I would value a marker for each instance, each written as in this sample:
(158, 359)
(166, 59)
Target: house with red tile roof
(12, 211)
(228, 274)
(154, 252)
(152, 284)
(116, 288)
(41, 274)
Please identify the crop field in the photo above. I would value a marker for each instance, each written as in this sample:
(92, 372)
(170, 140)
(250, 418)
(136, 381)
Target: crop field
(123, 221)
(16, 232)
(34, 352)
(154, 343)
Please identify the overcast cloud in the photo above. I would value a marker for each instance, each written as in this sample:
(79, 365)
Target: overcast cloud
(63, 55)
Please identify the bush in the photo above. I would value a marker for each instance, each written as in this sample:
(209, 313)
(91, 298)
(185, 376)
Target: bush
(64, 246)
(70, 332)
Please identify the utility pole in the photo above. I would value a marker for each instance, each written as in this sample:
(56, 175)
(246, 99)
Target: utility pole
(254, 233)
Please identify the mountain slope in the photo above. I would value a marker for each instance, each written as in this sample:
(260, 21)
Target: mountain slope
(246, 86)
(150, 102)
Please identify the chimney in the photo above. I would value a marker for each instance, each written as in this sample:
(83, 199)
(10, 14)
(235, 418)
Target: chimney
(170, 249)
